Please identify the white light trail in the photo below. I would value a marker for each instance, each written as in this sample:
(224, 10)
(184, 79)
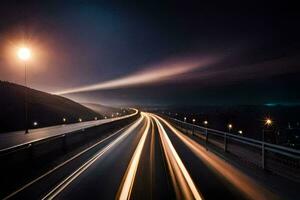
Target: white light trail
(62, 185)
(127, 184)
(184, 186)
(241, 181)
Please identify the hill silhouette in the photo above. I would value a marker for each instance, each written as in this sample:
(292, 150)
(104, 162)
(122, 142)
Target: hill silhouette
(44, 108)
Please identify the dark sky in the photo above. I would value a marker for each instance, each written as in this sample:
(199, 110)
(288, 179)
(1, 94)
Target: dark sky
(212, 53)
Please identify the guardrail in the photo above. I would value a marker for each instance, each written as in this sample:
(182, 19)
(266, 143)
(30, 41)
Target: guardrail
(275, 158)
(63, 137)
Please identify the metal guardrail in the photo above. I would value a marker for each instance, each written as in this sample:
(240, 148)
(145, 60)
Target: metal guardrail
(278, 159)
(27, 145)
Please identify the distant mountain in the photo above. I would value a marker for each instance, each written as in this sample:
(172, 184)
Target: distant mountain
(44, 108)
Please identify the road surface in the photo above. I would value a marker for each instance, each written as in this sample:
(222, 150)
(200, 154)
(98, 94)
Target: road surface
(149, 159)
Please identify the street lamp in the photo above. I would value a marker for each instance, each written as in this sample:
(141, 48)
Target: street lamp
(268, 122)
(229, 127)
(24, 54)
(184, 119)
(206, 133)
(240, 132)
(225, 137)
(194, 120)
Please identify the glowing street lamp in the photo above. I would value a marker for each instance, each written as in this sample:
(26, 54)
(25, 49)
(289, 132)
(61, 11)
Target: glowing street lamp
(205, 122)
(268, 122)
(225, 136)
(240, 132)
(24, 54)
(184, 119)
(79, 120)
(194, 120)
(64, 119)
(229, 127)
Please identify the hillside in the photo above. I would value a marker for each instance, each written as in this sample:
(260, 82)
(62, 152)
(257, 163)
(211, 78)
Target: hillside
(45, 109)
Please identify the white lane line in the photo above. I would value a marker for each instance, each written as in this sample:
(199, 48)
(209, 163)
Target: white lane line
(62, 185)
(127, 184)
(184, 180)
(62, 164)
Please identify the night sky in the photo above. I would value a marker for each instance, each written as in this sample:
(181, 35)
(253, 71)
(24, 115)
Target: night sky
(156, 53)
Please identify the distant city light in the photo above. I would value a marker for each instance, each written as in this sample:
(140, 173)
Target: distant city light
(24, 53)
(230, 126)
(64, 119)
(35, 123)
(240, 132)
(80, 120)
(194, 120)
(205, 122)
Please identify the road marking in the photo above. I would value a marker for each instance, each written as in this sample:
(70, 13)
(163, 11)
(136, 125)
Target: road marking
(127, 184)
(183, 184)
(62, 185)
(236, 177)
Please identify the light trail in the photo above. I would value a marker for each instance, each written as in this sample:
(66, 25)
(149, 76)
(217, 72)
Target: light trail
(62, 185)
(61, 165)
(152, 159)
(128, 180)
(155, 74)
(183, 184)
(244, 183)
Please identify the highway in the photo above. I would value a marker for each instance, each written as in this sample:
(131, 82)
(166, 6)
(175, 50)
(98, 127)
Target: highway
(148, 159)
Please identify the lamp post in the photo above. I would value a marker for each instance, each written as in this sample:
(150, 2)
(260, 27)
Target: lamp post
(194, 120)
(268, 122)
(24, 54)
(225, 136)
(229, 127)
(206, 133)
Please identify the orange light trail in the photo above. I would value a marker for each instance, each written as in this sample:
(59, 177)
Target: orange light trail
(183, 184)
(128, 180)
(244, 183)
